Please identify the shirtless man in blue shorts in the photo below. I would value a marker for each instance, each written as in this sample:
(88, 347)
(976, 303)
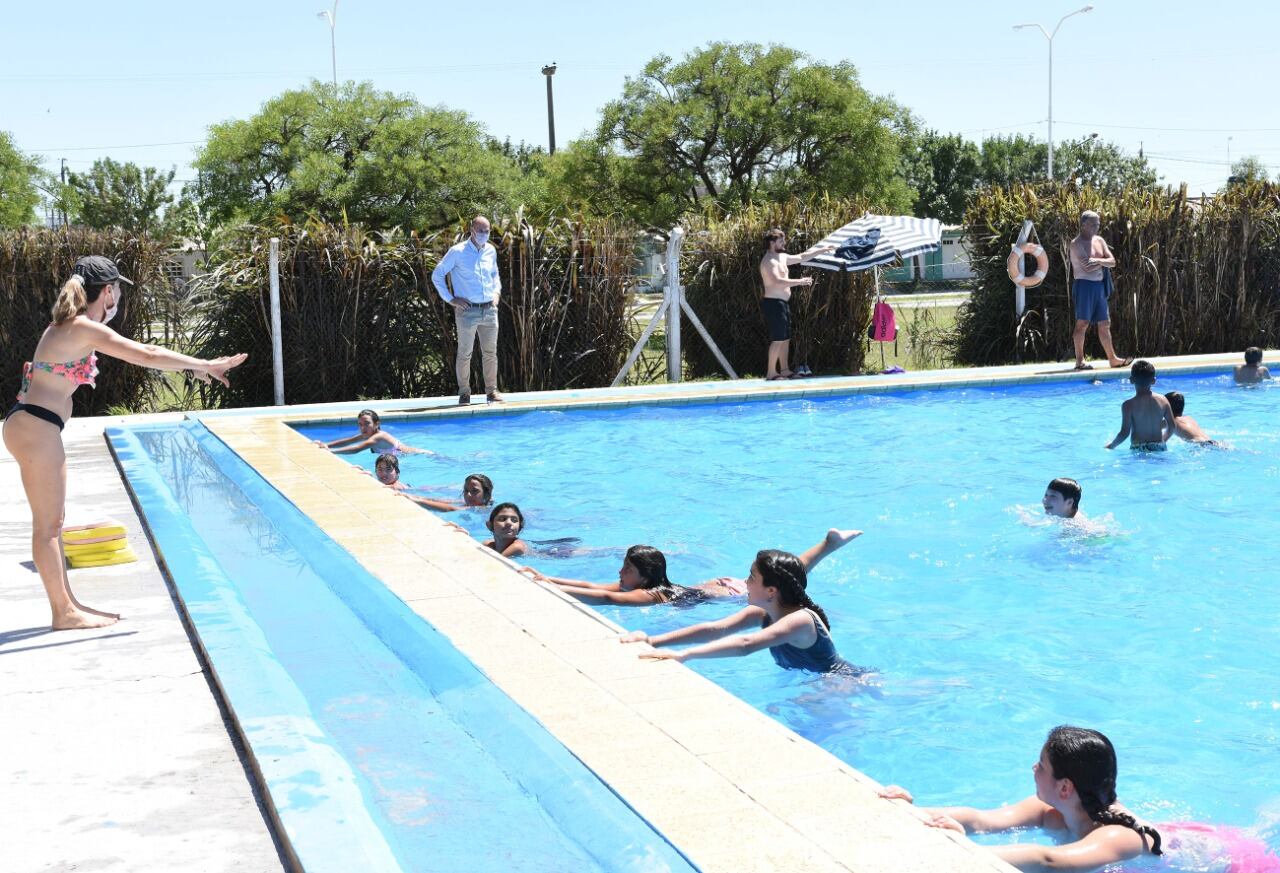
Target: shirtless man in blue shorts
(1090, 259)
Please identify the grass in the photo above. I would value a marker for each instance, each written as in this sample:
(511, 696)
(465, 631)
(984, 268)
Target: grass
(925, 342)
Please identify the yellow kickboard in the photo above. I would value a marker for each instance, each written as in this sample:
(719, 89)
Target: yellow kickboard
(82, 549)
(124, 556)
(105, 528)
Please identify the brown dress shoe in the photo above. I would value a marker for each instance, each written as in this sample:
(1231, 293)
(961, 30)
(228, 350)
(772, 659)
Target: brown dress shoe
(494, 397)
(464, 399)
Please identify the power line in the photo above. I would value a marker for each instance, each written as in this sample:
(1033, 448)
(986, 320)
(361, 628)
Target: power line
(1176, 129)
(1227, 164)
(141, 145)
(284, 74)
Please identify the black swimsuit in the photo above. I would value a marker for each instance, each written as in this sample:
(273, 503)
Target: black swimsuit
(39, 412)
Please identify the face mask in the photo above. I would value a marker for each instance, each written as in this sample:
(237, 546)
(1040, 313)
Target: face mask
(481, 237)
(113, 308)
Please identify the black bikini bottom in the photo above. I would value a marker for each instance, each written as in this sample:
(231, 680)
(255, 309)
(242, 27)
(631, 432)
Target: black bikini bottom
(39, 412)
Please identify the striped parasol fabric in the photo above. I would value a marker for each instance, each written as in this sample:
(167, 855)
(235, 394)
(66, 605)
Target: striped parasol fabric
(901, 236)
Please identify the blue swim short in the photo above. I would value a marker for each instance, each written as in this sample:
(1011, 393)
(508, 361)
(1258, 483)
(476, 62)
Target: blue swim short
(1091, 300)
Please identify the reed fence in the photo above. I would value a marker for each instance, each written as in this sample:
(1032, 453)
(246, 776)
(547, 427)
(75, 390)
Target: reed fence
(35, 262)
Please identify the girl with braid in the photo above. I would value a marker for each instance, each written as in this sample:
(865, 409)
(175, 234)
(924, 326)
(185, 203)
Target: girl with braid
(792, 627)
(1076, 792)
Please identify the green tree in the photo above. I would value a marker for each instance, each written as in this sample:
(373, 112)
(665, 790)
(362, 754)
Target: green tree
(943, 171)
(20, 178)
(1248, 169)
(113, 194)
(353, 153)
(733, 122)
(1012, 160)
(1103, 166)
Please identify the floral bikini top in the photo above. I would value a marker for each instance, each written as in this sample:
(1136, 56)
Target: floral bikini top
(81, 372)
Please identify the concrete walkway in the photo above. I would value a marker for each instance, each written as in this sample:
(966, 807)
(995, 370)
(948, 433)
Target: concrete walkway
(113, 753)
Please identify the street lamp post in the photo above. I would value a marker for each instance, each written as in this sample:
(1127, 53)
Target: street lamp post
(1049, 36)
(332, 18)
(549, 71)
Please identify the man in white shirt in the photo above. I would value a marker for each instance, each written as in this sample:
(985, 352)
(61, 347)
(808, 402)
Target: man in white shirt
(472, 269)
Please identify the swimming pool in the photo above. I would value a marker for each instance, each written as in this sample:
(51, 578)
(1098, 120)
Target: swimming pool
(989, 625)
(380, 747)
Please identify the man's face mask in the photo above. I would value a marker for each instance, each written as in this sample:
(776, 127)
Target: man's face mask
(481, 236)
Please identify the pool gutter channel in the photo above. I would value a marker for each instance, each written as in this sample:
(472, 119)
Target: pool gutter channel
(779, 801)
(261, 789)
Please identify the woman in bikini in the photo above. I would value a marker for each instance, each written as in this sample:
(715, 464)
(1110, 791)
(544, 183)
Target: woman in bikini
(65, 358)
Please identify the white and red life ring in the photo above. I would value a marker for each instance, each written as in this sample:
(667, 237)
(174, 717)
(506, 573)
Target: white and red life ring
(1015, 265)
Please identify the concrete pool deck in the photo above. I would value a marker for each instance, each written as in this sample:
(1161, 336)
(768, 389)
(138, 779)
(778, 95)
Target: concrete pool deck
(729, 786)
(115, 754)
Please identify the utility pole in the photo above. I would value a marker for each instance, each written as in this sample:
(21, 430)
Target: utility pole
(62, 195)
(549, 71)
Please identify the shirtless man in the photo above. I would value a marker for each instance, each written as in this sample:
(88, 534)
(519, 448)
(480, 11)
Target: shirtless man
(1090, 258)
(1144, 416)
(777, 292)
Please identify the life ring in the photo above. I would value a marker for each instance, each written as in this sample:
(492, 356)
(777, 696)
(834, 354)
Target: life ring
(1015, 265)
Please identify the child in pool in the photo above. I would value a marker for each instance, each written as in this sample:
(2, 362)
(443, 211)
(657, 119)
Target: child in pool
(477, 490)
(1062, 498)
(505, 523)
(642, 579)
(387, 471)
(1144, 415)
(1251, 370)
(371, 437)
(792, 627)
(1187, 427)
(1075, 780)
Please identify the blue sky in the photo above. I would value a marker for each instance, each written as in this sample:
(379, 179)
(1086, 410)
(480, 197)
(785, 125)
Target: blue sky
(142, 81)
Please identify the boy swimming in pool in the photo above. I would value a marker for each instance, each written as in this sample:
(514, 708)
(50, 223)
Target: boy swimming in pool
(1188, 428)
(1251, 370)
(1062, 498)
(1147, 420)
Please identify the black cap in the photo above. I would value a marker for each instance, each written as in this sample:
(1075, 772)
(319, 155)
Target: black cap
(97, 270)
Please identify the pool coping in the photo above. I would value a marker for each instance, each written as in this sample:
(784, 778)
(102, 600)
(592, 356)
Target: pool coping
(671, 743)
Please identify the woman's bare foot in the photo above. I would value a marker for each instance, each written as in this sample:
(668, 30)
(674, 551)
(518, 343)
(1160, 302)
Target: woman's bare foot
(114, 616)
(79, 620)
(837, 538)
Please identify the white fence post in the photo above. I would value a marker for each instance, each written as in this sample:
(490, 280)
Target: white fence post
(673, 295)
(1020, 293)
(277, 351)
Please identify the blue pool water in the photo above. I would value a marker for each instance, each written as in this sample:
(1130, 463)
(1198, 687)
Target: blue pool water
(989, 623)
(381, 746)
